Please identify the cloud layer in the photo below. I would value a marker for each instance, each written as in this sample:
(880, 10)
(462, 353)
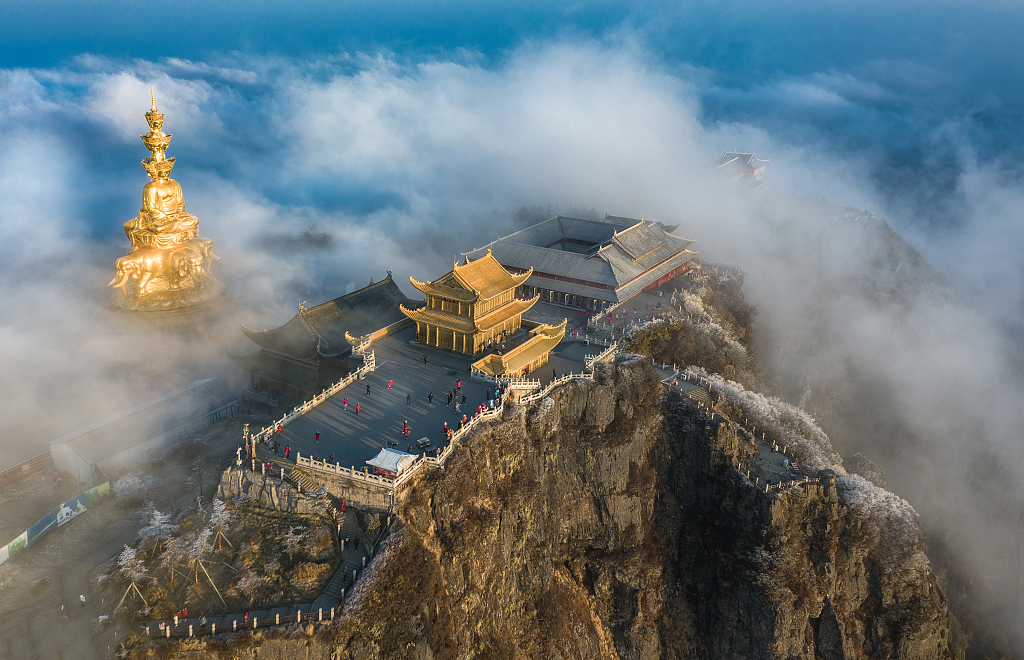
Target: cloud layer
(314, 174)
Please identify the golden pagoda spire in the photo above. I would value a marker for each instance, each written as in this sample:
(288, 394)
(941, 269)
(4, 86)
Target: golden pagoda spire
(168, 259)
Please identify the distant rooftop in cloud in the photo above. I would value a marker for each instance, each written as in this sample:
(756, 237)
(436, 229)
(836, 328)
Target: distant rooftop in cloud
(744, 167)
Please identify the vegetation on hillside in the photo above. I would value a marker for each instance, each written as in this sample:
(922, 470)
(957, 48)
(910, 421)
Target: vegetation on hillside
(710, 326)
(236, 557)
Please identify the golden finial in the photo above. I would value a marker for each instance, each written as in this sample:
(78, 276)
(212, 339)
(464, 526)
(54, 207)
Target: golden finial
(152, 97)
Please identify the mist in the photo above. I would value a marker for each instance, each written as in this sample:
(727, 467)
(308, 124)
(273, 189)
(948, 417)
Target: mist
(314, 172)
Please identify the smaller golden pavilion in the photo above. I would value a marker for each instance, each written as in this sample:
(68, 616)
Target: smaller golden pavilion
(470, 306)
(525, 357)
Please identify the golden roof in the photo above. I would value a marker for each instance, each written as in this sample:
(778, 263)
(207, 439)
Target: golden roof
(545, 338)
(483, 278)
(487, 277)
(436, 317)
(465, 324)
(441, 290)
(512, 308)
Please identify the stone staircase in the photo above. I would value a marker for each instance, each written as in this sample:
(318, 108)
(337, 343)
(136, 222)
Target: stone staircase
(352, 560)
(700, 395)
(313, 489)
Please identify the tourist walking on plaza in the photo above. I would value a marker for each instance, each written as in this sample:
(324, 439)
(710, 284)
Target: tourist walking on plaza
(287, 451)
(458, 385)
(463, 399)
(430, 398)
(367, 389)
(318, 437)
(330, 459)
(424, 358)
(408, 399)
(357, 408)
(346, 404)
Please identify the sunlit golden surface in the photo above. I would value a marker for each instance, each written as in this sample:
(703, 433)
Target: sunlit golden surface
(168, 266)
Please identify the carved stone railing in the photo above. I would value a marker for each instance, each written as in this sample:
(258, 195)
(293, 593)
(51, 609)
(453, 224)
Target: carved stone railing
(604, 356)
(424, 461)
(262, 398)
(561, 380)
(369, 365)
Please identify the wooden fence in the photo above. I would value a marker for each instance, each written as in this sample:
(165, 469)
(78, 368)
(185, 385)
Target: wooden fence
(23, 470)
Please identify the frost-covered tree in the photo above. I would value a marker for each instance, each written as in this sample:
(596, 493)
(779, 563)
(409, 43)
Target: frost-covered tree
(173, 555)
(158, 525)
(131, 567)
(248, 583)
(200, 545)
(293, 540)
(220, 521)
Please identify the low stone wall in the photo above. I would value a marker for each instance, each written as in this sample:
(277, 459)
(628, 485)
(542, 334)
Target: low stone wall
(356, 494)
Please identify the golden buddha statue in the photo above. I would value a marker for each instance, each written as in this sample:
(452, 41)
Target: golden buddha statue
(168, 259)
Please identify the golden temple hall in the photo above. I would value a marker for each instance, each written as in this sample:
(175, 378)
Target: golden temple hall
(469, 306)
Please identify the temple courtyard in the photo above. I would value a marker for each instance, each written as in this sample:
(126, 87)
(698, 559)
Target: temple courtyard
(355, 438)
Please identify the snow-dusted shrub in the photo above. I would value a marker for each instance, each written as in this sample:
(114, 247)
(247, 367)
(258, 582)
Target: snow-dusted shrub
(785, 424)
(692, 304)
(891, 517)
(293, 540)
(248, 582)
(134, 485)
(896, 520)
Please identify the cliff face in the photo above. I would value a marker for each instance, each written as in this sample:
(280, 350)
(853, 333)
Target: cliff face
(791, 574)
(609, 521)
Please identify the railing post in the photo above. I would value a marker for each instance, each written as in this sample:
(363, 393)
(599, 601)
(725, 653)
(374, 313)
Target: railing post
(190, 630)
(299, 616)
(234, 625)
(254, 623)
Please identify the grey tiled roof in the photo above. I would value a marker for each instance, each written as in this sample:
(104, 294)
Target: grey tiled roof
(358, 313)
(618, 257)
(318, 373)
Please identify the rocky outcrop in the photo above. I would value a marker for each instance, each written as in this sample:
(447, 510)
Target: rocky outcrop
(609, 520)
(268, 491)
